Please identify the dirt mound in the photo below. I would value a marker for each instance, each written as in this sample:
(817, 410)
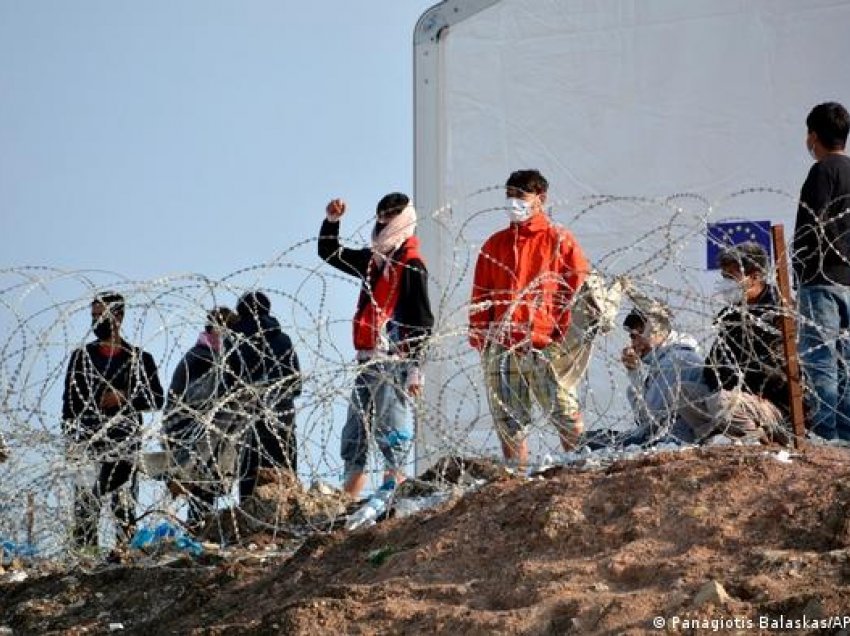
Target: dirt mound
(280, 501)
(723, 534)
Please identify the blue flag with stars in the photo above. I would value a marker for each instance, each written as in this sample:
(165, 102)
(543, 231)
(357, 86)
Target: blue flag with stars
(721, 235)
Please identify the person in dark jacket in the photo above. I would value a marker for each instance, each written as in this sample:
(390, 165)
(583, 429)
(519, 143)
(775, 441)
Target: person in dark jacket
(196, 423)
(745, 365)
(264, 375)
(107, 386)
(392, 325)
(821, 260)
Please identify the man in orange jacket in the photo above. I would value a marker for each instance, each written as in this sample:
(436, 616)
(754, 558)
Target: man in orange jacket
(526, 279)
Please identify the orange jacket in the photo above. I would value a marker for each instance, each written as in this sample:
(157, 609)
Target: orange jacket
(525, 279)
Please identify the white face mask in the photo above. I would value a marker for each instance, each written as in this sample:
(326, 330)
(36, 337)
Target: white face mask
(811, 150)
(518, 210)
(729, 291)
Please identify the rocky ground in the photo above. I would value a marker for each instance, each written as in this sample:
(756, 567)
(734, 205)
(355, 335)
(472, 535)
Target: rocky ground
(730, 534)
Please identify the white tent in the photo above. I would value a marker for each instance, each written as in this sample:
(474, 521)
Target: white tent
(650, 118)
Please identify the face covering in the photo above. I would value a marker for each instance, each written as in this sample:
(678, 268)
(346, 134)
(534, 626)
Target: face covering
(102, 329)
(211, 339)
(811, 150)
(379, 227)
(519, 210)
(729, 291)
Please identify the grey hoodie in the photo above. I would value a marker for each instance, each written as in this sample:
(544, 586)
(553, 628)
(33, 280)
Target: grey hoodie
(668, 381)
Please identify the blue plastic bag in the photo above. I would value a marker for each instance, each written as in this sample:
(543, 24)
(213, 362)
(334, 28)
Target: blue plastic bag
(165, 533)
(10, 550)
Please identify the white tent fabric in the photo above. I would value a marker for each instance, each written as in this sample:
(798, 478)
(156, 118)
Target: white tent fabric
(673, 110)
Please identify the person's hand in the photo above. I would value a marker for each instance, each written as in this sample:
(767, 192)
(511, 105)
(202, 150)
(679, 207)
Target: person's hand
(75, 452)
(630, 358)
(414, 382)
(335, 209)
(112, 399)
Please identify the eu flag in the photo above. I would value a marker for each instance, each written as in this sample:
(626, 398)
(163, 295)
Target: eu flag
(722, 235)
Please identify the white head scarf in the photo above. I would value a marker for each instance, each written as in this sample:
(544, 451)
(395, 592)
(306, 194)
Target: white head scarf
(399, 228)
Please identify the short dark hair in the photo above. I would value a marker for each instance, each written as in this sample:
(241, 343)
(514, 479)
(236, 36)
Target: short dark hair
(392, 203)
(254, 303)
(634, 321)
(528, 181)
(656, 315)
(831, 123)
(113, 301)
(750, 257)
(219, 317)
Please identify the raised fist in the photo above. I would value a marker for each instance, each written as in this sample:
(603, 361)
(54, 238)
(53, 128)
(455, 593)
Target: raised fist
(335, 209)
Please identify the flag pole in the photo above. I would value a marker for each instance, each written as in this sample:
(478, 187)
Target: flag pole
(789, 336)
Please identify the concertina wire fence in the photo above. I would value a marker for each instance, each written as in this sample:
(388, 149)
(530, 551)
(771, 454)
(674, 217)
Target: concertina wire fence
(45, 316)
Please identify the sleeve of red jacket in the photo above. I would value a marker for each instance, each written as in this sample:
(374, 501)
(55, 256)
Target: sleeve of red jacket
(574, 271)
(480, 310)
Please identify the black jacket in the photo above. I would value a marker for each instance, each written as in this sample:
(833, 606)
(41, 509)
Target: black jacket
(748, 350)
(90, 373)
(262, 356)
(822, 231)
(197, 382)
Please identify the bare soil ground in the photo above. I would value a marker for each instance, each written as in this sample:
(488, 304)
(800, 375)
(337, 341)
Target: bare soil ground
(602, 551)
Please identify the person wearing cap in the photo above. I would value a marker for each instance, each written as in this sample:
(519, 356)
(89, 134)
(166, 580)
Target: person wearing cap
(391, 328)
(194, 420)
(263, 376)
(821, 261)
(525, 287)
(744, 368)
(108, 384)
(665, 370)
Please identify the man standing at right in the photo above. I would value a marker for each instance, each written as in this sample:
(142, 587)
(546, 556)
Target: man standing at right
(821, 259)
(526, 279)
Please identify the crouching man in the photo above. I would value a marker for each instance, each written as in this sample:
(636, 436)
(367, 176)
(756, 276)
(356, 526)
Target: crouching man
(665, 372)
(745, 367)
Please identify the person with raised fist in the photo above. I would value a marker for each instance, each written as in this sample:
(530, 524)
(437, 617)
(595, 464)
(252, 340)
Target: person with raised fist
(391, 328)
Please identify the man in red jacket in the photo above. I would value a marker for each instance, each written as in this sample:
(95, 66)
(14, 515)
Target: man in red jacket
(526, 279)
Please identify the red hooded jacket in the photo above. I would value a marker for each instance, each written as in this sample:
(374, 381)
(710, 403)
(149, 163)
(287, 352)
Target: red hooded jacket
(525, 279)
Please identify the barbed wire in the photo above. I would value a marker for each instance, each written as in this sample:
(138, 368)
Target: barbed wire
(659, 254)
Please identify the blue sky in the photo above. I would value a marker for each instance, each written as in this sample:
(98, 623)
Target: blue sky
(156, 140)
(151, 138)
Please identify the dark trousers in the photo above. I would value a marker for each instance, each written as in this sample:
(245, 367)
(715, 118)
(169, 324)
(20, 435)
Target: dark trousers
(201, 503)
(87, 503)
(182, 442)
(270, 444)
